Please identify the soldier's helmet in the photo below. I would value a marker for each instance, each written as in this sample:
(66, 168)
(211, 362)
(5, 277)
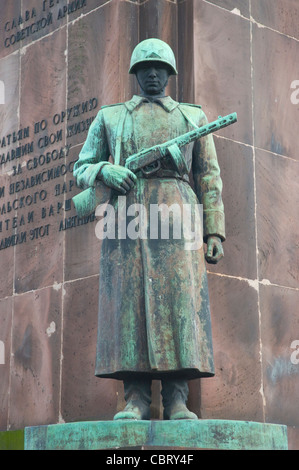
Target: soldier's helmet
(153, 50)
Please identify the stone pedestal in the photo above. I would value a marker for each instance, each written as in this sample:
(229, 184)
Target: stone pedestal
(201, 434)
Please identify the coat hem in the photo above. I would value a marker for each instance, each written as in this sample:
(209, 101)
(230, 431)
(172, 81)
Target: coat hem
(187, 374)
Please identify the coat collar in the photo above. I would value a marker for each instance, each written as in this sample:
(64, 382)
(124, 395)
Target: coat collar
(167, 103)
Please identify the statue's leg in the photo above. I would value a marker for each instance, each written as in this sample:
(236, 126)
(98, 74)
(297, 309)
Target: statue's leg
(174, 398)
(138, 399)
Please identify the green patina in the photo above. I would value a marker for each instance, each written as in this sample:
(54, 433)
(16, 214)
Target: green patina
(201, 434)
(154, 319)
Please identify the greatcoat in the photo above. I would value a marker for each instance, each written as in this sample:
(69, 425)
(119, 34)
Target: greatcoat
(154, 313)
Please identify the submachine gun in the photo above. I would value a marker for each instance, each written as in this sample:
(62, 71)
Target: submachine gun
(149, 162)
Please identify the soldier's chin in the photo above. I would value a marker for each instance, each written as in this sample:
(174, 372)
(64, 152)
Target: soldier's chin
(153, 89)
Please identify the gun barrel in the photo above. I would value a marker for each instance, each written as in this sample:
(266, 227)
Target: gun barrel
(202, 131)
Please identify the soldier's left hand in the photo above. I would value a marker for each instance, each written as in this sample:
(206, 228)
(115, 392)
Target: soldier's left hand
(214, 250)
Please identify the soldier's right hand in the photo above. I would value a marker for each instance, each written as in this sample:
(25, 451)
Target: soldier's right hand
(118, 177)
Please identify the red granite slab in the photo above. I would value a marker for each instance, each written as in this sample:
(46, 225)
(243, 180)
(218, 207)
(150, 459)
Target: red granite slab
(235, 389)
(275, 104)
(5, 352)
(84, 396)
(236, 166)
(10, 13)
(35, 372)
(280, 353)
(277, 218)
(240, 7)
(222, 68)
(281, 15)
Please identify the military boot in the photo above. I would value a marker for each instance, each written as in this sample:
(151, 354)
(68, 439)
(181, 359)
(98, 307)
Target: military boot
(174, 398)
(138, 399)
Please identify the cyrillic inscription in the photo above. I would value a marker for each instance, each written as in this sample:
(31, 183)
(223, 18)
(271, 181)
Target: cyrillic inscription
(24, 200)
(29, 24)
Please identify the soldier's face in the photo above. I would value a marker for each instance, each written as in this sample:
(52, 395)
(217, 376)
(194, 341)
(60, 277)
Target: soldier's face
(152, 78)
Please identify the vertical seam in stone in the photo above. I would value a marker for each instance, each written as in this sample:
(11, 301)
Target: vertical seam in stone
(10, 362)
(255, 217)
(14, 264)
(60, 418)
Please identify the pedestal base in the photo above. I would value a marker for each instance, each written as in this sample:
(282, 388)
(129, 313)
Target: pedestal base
(201, 434)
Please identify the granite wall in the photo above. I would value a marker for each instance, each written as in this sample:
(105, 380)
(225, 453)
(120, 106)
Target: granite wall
(59, 62)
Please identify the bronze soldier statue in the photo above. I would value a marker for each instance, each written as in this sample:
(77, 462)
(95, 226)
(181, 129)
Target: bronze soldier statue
(154, 314)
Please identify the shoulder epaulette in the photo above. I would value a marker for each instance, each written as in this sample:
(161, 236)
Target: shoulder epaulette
(189, 104)
(110, 105)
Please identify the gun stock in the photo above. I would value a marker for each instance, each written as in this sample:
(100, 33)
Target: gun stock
(86, 202)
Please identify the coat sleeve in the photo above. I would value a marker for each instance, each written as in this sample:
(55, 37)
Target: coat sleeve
(208, 184)
(94, 154)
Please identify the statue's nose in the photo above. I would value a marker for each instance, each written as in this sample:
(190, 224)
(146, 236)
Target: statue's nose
(152, 72)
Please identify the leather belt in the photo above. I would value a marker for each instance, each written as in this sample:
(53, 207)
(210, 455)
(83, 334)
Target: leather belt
(162, 173)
